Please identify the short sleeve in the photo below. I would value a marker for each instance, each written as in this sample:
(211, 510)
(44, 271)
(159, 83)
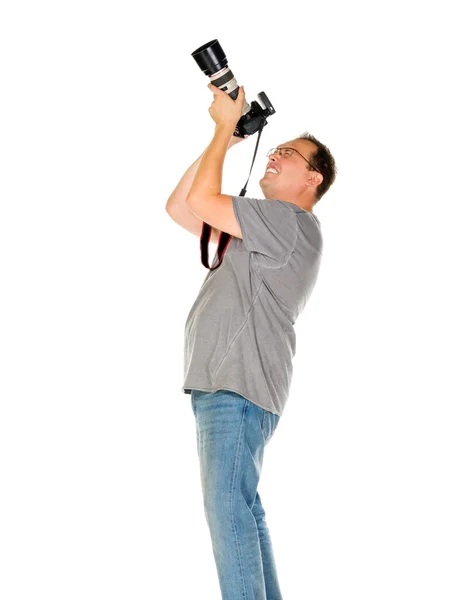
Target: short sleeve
(268, 227)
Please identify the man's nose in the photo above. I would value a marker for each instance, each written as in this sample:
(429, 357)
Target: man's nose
(274, 158)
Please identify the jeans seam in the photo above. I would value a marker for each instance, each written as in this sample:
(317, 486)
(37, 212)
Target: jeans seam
(263, 424)
(231, 494)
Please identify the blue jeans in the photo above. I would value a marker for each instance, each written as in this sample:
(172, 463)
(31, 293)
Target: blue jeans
(231, 435)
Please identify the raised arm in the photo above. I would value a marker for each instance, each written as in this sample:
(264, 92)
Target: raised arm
(176, 206)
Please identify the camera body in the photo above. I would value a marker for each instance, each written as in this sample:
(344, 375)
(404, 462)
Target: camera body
(212, 61)
(255, 118)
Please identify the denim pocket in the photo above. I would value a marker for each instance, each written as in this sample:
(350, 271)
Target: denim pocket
(269, 424)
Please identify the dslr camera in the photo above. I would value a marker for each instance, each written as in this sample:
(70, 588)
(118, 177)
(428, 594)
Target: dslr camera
(212, 61)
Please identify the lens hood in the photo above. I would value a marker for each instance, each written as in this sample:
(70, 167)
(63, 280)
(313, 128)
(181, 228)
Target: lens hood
(210, 58)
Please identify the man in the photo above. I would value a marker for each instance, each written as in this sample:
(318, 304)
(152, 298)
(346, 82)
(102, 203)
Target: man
(239, 335)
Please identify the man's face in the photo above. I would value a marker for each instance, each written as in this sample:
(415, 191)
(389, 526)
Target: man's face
(292, 177)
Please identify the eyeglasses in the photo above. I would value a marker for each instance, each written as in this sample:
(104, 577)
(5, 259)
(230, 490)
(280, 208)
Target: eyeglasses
(287, 153)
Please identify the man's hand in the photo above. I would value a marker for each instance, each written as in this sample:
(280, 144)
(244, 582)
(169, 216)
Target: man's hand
(224, 110)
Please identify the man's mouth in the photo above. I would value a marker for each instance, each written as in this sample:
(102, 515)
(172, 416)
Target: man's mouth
(272, 170)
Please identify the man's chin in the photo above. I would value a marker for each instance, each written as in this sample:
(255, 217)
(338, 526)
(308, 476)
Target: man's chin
(264, 183)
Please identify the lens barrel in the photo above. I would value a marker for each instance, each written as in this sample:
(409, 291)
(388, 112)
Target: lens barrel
(212, 60)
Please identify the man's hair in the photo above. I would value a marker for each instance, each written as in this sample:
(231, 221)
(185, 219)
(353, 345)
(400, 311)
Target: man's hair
(324, 162)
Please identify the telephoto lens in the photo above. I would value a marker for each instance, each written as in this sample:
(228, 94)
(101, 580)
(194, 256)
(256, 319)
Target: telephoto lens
(213, 62)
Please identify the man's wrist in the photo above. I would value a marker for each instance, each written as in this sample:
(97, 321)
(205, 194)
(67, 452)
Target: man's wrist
(225, 129)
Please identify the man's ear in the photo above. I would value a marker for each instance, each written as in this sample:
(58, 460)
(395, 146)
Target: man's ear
(316, 178)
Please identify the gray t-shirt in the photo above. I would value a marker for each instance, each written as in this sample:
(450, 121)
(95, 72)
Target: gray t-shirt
(239, 334)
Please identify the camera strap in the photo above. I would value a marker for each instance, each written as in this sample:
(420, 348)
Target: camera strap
(224, 238)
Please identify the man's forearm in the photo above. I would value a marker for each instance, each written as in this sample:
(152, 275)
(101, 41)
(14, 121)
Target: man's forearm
(180, 193)
(207, 181)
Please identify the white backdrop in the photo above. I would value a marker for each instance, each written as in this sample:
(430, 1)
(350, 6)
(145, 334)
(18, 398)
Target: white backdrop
(102, 110)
